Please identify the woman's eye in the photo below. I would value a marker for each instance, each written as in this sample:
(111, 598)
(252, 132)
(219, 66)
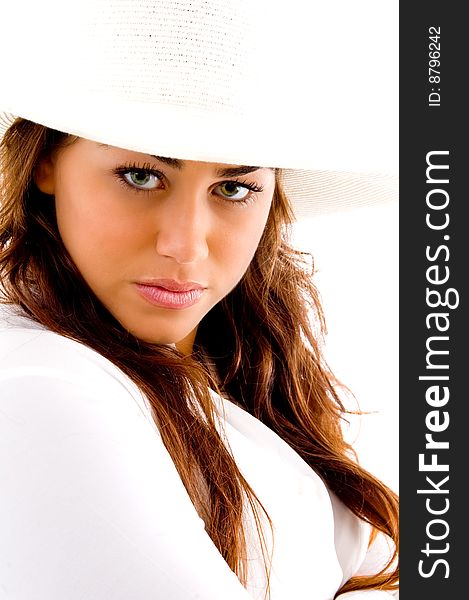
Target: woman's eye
(234, 191)
(141, 179)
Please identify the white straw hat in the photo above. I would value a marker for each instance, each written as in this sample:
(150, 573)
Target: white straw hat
(297, 85)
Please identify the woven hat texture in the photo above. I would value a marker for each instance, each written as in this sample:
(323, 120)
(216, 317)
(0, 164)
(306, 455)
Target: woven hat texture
(295, 85)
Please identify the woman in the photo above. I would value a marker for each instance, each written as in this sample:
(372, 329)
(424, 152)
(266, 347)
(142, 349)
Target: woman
(169, 424)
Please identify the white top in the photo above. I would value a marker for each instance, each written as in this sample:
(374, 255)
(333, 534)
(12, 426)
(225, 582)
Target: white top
(92, 507)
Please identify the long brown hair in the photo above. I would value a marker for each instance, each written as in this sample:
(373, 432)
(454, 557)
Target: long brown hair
(261, 346)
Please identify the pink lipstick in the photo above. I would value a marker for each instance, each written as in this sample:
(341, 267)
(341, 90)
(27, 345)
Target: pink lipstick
(168, 293)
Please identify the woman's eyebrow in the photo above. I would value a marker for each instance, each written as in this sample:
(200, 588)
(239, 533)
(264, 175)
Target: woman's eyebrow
(177, 163)
(222, 172)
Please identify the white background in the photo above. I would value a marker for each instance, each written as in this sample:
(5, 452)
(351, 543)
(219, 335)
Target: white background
(356, 259)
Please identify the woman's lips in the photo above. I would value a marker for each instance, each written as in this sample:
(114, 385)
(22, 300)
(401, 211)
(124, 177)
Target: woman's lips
(168, 293)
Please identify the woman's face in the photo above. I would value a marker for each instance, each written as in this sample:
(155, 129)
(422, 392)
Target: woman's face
(159, 241)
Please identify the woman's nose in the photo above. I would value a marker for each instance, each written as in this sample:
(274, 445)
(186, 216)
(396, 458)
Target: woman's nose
(183, 225)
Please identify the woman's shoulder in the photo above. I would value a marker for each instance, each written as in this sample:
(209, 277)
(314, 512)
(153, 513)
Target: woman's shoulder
(29, 352)
(24, 343)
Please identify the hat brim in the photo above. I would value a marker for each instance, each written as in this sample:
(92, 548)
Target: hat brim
(311, 90)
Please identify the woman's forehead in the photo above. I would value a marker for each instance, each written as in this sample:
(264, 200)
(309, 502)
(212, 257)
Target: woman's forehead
(219, 169)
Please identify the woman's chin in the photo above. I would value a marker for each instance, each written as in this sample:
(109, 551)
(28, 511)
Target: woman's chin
(183, 336)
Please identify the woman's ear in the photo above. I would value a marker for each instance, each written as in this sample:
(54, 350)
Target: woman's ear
(44, 175)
